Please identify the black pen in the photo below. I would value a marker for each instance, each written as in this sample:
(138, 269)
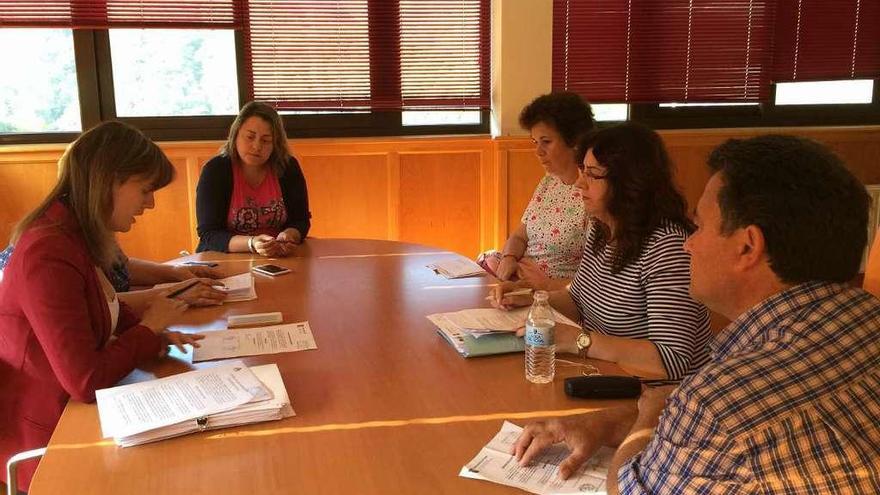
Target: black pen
(182, 290)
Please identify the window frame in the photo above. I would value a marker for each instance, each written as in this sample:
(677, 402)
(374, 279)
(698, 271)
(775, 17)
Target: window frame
(94, 71)
(761, 115)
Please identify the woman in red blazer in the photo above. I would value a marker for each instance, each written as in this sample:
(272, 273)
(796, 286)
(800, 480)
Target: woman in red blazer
(63, 332)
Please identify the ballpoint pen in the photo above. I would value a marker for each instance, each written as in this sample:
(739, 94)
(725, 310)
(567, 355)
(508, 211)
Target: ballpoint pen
(182, 290)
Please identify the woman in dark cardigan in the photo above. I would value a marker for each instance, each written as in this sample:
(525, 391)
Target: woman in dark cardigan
(252, 197)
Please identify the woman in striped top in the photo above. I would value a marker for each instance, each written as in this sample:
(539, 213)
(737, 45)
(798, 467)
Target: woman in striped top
(630, 293)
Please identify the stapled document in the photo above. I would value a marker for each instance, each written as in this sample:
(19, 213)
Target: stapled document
(261, 386)
(144, 406)
(456, 268)
(495, 463)
(254, 341)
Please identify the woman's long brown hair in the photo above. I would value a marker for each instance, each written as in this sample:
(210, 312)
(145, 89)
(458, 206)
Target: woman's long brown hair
(109, 153)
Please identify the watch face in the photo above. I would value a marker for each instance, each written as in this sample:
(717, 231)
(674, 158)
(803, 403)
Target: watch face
(584, 341)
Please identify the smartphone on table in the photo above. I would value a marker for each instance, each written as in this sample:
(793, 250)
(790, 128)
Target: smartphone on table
(271, 270)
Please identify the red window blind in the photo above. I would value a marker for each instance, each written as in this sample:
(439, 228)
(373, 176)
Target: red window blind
(663, 51)
(308, 55)
(368, 54)
(827, 39)
(102, 14)
(444, 53)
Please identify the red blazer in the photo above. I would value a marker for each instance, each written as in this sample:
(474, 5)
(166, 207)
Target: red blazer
(54, 335)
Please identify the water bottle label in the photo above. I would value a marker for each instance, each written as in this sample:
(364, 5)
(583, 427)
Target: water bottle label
(540, 336)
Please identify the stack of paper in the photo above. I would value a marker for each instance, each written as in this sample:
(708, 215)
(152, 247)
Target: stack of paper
(237, 287)
(457, 268)
(484, 331)
(495, 463)
(228, 395)
(272, 339)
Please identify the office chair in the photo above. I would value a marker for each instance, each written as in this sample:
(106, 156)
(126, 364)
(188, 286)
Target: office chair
(12, 468)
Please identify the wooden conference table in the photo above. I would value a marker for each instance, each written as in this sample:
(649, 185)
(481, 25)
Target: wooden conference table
(384, 405)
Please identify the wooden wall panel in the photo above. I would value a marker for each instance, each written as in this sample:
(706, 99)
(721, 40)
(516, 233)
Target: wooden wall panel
(461, 193)
(23, 186)
(348, 195)
(161, 233)
(440, 200)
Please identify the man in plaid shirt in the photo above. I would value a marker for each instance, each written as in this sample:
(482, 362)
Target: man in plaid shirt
(790, 401)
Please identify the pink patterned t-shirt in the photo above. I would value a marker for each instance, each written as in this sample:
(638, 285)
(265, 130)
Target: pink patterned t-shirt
(259, 210)
(556, 226)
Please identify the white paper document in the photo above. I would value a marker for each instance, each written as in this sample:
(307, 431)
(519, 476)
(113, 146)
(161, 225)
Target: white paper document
(457, 268)
(254, 341)
(273, 408)
(489, 319)
(140, 407)
(239, 287)
(484, 321)
(494, 463)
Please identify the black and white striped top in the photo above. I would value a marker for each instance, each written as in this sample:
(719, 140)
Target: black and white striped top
(648, 299)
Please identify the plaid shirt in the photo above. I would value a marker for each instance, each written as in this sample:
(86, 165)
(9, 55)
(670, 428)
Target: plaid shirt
(789, 403)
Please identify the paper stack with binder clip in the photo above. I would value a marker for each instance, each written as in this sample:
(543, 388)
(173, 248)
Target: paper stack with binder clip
(219, 397)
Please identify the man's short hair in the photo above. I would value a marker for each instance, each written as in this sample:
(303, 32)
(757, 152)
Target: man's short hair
(812, 211)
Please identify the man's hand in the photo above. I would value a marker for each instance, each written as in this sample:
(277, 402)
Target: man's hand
(652, 401)
(579, 435)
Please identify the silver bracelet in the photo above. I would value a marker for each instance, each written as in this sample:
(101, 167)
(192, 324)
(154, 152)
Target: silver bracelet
(251, 247)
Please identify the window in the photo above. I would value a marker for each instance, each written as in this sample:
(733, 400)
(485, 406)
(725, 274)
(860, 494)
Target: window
(610, 112)
(304, 56)
(441, 117)
(179, 70)
(174, 72)
(38, 90)
(407, 66)
(858, 91)
(669, 51)
(706, 63)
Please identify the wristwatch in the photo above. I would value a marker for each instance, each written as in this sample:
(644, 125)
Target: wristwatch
(584, 341)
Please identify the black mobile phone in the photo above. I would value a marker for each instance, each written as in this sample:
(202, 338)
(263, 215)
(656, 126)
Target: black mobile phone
(272, 270)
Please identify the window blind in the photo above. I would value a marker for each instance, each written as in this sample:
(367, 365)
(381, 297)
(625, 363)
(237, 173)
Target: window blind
(644, 51)
(103, 14)
(368, 54)
(444, 53)
(827, 39)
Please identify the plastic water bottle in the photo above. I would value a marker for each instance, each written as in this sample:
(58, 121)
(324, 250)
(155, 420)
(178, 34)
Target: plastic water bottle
(540, 341)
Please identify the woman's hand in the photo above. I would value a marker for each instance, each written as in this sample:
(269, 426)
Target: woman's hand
(499, 299)
(162, 312)
(287, 241)
(266, 245)
(532, 274)
(178, 339)
(205, 293)
(506, 267)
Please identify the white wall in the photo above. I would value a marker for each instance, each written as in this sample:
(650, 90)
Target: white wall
(521, 59)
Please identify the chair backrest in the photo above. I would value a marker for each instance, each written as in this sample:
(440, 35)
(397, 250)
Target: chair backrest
(872, 268)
